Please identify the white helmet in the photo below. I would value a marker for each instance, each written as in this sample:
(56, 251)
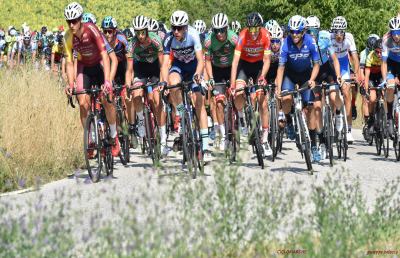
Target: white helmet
(297, 22)
(140, 23)
(269, 24)
(1, 33)
(153, 25)
(394, 23)
(219, 21)
(13, 32)
(312, 22)
(179, 18)
(339, 23)
(200, 26)
(276, 32)
(27, 35)
(236, 26)
(73, 11)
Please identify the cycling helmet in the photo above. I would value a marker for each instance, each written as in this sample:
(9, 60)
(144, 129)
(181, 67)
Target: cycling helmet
(50, 39)
(140, 23)
(49, 33)
(339, 23)
(394, 23)
(109, 23)
(269, 24)
(254, 19)
(13, 32)
(128, 33)
(236, 26)
(179, 18)
(312, 22)
(27, 35)
(43, 30)
(153, 25)
(89, 17)
(200, 26)
(2, 33)
(276, 32)
(378, 44)
(59, 39)
(297, 22)
(219, 21)
(73, 11)
(371, 41)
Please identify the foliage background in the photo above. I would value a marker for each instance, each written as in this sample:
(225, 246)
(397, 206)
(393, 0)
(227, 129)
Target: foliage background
(363, 16)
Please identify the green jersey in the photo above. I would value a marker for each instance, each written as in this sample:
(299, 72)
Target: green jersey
(146, 52)
(220, 53)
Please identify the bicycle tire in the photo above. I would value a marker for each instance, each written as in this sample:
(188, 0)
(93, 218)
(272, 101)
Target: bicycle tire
(95, 169)
(123, 135)
(305, 141)
(328, 133)
(378, 133)
(189, 145)
(108, 157)
(385, 133)
(273, 130)
(396, 147)
(198, 152)
(148, 137)
(257, 141)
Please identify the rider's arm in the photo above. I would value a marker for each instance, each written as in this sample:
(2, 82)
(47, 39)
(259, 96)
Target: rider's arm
(356, 63)
(266, 64)
(367, 73)
(166, 59)
(198, 48)
(129, 70)
(106, 65)
(209, 68)
(235, 64)
(315, 60)
(385, 54)
(384, 70)
(114, 65)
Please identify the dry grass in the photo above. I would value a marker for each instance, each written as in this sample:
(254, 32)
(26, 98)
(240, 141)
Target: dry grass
(41, 136)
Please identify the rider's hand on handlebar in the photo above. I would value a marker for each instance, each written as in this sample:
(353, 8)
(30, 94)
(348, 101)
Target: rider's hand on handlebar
(107, 87)
(262, 81)
(339, 80)
(69, 89)
(196, 78)
(311, 84)
(211, 82)
(161, 85)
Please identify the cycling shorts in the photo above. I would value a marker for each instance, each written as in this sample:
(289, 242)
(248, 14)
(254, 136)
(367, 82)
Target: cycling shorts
(144, 70)
(326, 73)
(221, 74)
(290, 79)
(89, 76)
(393, 69)
(345, 70)
(273, 69)
(186, 72)
(120, 75)
(247, 70)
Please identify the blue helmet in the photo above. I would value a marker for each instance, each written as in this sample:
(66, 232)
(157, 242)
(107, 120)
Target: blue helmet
(109, 23)
(297, 22)
(89, 17)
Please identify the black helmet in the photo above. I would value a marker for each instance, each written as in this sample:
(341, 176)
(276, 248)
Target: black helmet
(254, 19)
(44, 29)
(128, 33)
(378, 44)
(371, 41)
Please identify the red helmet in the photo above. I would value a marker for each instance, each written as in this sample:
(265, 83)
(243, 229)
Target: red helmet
(61, 28)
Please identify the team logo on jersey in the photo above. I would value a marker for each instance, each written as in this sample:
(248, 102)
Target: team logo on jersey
(299, 56)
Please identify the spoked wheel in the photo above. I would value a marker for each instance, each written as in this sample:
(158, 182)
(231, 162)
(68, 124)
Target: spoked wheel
(148, 139)
(92, 148)
(396, 146)
(108, 157)
(328, 135)
(273, 132)
(123, 136)
(306, 144)
(189, 146)
(385, 133)
(279, 140)
(257, 144)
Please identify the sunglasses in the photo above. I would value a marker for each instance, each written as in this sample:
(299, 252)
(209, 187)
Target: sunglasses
(395, 32)
(338, 32)
(296, 32)
(74, 21)
(378, 51)
(254, 29)
(140, 32)
(108, 31)
(222, 30)
(275, 41)
(178, 28)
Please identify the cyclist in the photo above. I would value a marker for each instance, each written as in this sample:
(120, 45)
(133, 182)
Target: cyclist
(155, 27)
(57, 57)
(25, 50)
(10, 39)
(219, 49)
(89, 17)
(252, 60)
(147, 53)
(326, 73)
(187, 64)
(93, 66)
(298, 52)
(391, 65)
(201, 28)
(128, 34)
(42, 42)
(343, 42)
(235, 26)
(2, 46)
(373, 78)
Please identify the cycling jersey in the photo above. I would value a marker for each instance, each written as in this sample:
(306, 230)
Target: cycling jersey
(342, 50)
(391, 49)
(43, 38)
(185, 50)
(220, 53)
(373, 62)
(58, 52)
(22, 48)
(299, 59)
(325, 47)
(88, 48)
(121, 46)
(147, 52)
(253, 50)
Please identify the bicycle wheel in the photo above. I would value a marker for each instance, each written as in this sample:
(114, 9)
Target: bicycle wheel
(257, 141)
(305, 140)
(229, 137)
(108, 157)
(189, 145)
(329, 137)
(279, 140)
(273, 130)
(385, 133)
(92, 148)
(123, 137)
(396, 147)
(379, 133)
(198, 151)
(156, 139)
(148, 138)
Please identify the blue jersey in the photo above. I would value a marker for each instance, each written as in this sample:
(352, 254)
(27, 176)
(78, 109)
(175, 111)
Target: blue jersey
(299, 59)
(185, 50)
(325, 46)
(122, 47)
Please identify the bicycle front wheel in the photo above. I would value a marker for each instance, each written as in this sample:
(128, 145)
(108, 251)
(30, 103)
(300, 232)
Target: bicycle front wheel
(92, 148)
(305, 141)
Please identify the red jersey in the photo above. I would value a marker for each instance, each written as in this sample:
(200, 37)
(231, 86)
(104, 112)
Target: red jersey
(89, 47)
(253, 50)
